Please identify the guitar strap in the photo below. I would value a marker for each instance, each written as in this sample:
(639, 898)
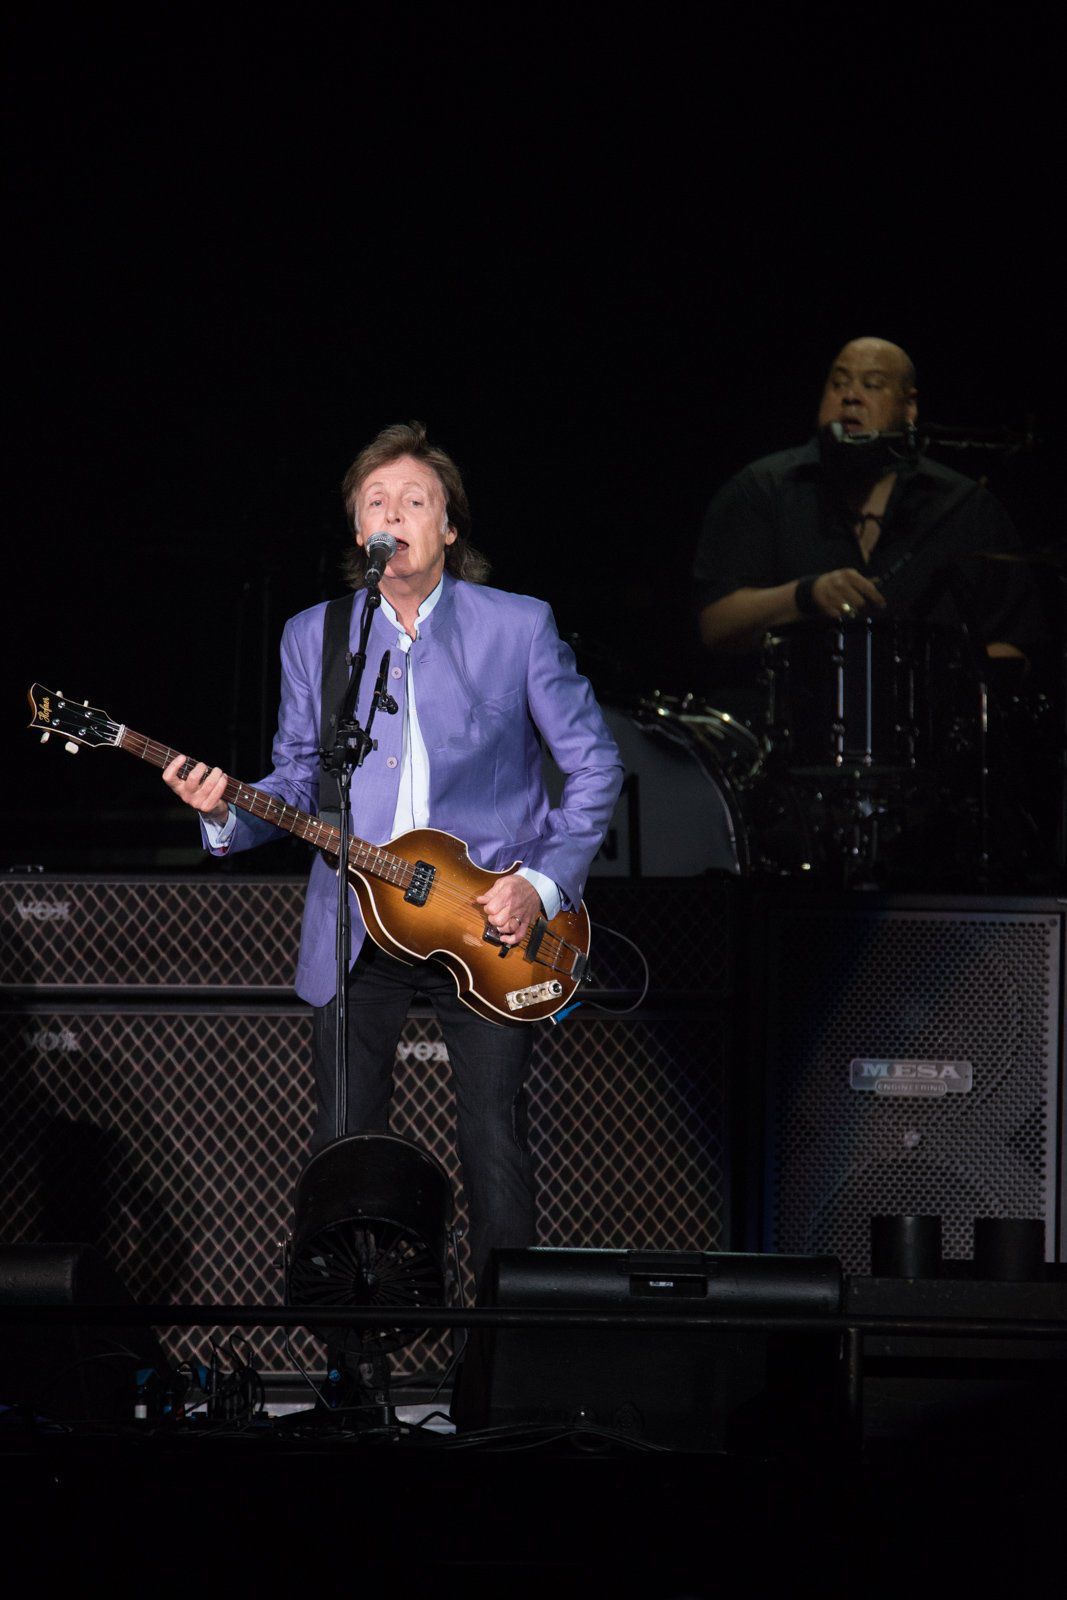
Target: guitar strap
(336, 666)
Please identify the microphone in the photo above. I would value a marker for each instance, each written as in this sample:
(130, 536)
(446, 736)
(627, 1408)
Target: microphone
(379, 549)
(840, 434)
(948, 438)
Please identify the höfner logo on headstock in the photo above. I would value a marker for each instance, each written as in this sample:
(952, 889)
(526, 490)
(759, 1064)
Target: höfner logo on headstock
(910, 1076)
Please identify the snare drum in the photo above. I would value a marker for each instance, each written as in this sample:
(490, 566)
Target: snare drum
(870, 696)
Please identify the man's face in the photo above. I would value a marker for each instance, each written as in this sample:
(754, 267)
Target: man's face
(407, 499)
(867, 389)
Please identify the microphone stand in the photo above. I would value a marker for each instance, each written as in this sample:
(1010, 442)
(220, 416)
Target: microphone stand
(998, 440)
(1060, 844)
(348, 752)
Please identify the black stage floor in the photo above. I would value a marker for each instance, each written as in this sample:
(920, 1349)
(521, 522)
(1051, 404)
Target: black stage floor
(195, 1507)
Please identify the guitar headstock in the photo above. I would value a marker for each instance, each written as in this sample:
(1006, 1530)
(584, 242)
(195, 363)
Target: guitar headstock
(55, 712)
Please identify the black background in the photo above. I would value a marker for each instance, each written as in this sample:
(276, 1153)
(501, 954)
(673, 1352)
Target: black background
(606, 257)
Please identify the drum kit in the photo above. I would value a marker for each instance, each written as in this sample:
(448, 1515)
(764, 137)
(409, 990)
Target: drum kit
(883, 754)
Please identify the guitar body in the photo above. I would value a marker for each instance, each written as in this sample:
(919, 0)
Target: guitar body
(417, 894)
(494, 980)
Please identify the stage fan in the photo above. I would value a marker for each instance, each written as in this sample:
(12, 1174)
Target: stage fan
(372, 1217)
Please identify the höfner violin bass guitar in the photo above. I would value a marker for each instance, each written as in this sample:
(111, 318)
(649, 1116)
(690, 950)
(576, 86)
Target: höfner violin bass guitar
(417, 893)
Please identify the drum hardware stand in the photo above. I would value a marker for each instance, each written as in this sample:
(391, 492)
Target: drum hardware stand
(1061, 827)
(983, 778)
(976, 651)
(1052, 557)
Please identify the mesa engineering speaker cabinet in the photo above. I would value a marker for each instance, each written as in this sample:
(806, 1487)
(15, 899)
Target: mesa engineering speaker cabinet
(698, 1389)
(912, 1054)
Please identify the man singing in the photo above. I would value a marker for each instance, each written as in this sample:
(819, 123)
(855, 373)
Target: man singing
(479, 675)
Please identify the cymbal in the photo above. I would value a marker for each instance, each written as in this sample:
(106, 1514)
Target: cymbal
(1047, 555)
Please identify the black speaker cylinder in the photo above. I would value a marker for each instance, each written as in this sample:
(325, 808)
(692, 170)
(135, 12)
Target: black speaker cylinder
(71, 1371)
(905, 1247)
(1009, 1249)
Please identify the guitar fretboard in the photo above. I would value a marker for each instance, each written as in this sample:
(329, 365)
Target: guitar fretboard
(366, 857)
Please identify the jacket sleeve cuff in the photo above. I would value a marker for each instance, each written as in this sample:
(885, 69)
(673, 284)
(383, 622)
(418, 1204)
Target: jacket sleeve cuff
(218, 835)
(551, 898)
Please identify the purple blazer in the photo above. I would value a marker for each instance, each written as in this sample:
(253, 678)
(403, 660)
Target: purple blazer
(491, 672)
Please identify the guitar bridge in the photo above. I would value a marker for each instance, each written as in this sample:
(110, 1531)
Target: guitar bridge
(422, 876)
(557, 961)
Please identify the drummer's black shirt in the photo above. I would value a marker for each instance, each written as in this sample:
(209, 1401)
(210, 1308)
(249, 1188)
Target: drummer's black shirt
(777, 520)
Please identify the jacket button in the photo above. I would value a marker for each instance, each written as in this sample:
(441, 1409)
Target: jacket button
(390, 761)
(397, 673)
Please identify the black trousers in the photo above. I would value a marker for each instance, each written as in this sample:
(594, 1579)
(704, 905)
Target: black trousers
(489, 1064)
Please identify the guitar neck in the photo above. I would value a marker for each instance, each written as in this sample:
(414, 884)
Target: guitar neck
(366, 857)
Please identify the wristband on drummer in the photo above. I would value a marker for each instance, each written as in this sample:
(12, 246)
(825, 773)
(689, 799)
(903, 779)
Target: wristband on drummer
(804, 598)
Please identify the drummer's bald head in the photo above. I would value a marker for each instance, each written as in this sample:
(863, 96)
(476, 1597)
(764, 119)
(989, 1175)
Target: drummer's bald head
(869, 388)
(873, 353)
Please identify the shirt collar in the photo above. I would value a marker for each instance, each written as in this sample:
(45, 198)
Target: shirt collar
(424, 610)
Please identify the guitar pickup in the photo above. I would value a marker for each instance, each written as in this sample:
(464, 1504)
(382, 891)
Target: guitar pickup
(537, 934)
(422, 876)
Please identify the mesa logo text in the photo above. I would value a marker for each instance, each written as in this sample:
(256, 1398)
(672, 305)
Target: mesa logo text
(905, 1076)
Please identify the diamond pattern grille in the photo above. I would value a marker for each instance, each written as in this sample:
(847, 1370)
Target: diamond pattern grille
(172, 1139)
(215, 933)
(684, 928)
(632, 1114)
(908, 984)
(142, 933)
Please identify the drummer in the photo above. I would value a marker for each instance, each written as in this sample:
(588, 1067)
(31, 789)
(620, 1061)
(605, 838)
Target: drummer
(857, 523)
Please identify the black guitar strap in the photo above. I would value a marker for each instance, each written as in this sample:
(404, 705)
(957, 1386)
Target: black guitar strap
(336, 631)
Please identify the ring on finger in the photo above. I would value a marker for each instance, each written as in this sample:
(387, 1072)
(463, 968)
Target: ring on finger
(847, 610)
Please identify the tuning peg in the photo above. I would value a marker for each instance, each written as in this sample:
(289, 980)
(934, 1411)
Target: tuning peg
(85, 702)
(45, 737)
(71, 748)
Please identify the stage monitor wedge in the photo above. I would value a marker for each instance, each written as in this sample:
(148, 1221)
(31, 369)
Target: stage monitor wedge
(696, 1389)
